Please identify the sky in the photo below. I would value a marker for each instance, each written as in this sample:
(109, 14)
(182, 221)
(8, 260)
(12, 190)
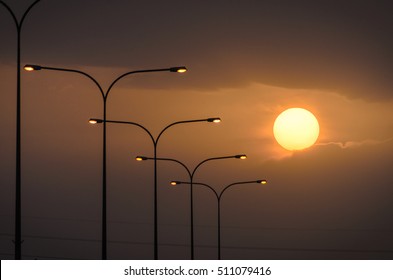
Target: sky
(247, 62)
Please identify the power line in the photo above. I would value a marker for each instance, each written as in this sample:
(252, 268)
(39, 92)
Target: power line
(228, 227)
(213, 246)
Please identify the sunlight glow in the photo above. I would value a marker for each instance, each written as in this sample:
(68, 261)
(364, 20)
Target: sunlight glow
(296, 129)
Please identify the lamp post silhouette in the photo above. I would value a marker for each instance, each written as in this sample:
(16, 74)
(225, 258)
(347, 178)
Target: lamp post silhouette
(219, 196)
(104, 95)
(191, 175)
(18, 203)
(155, 143)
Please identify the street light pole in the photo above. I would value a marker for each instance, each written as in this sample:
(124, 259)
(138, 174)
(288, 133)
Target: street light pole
(18, 203)
(219, 196)
(191, 175)
(104, 95)
(155, 144)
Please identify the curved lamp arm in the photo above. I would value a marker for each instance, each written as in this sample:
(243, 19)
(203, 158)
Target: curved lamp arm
(263, 182)
(32, 67)
(12, 14)
(240, 156)
(174, 183)
(141, 158)
(179, 69)
(214, 120)
(94, 121)
(19, 24)
(26, 12)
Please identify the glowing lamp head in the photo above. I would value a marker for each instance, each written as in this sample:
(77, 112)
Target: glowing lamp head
(95, 121)
(262, 182)
(214, 120)
(241, 156)
(180, 69)
(140, 158)
(30, 67)
(174, 183)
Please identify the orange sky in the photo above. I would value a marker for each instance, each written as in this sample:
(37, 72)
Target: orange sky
(248, 61)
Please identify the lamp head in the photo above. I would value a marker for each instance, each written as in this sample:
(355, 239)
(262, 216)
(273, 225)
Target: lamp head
(179, 69)
(140, 158)
(31, 67)
(95, 121)
(241, 156)
(214, 120)
(174, 183)
(262, 182)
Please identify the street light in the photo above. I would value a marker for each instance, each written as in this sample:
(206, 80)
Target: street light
(179, 69)
(29, 67)
(18, 203)
(191, 175)
(219, 196)
(155, 143)
(104, 95)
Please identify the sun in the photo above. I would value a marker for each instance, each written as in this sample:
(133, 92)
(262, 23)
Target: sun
(296, 129)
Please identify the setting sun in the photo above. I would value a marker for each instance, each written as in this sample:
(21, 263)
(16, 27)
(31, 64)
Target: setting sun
(296, 129)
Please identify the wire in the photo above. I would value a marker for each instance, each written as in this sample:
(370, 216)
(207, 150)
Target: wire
(213, 246)
(228, 227)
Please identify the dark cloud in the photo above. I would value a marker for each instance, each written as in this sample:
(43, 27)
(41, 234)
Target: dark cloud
(334, 45)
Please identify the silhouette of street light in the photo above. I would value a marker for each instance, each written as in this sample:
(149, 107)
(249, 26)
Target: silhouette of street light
(219, 196)
(155, 144)
(18, 172)
(104, 95)
(191, 176)
(29, 67)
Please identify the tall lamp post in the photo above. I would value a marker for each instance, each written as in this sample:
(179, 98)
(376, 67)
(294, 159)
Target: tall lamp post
(155, 143)
(18, 211)
(104, 95)
(219, 196)
(191, 175)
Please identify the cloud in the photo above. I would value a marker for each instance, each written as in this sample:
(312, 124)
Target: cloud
(311, 45)
(355, 144)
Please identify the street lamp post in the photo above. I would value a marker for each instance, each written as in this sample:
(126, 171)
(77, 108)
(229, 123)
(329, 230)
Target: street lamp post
(191, 175)
(219, 196)
(18, 203)
(104, 95)
(155, 143)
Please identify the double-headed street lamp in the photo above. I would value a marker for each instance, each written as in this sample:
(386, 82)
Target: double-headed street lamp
(155, 143)
(219, 196)
(191, 175)
(18, 204)
(104, 95)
